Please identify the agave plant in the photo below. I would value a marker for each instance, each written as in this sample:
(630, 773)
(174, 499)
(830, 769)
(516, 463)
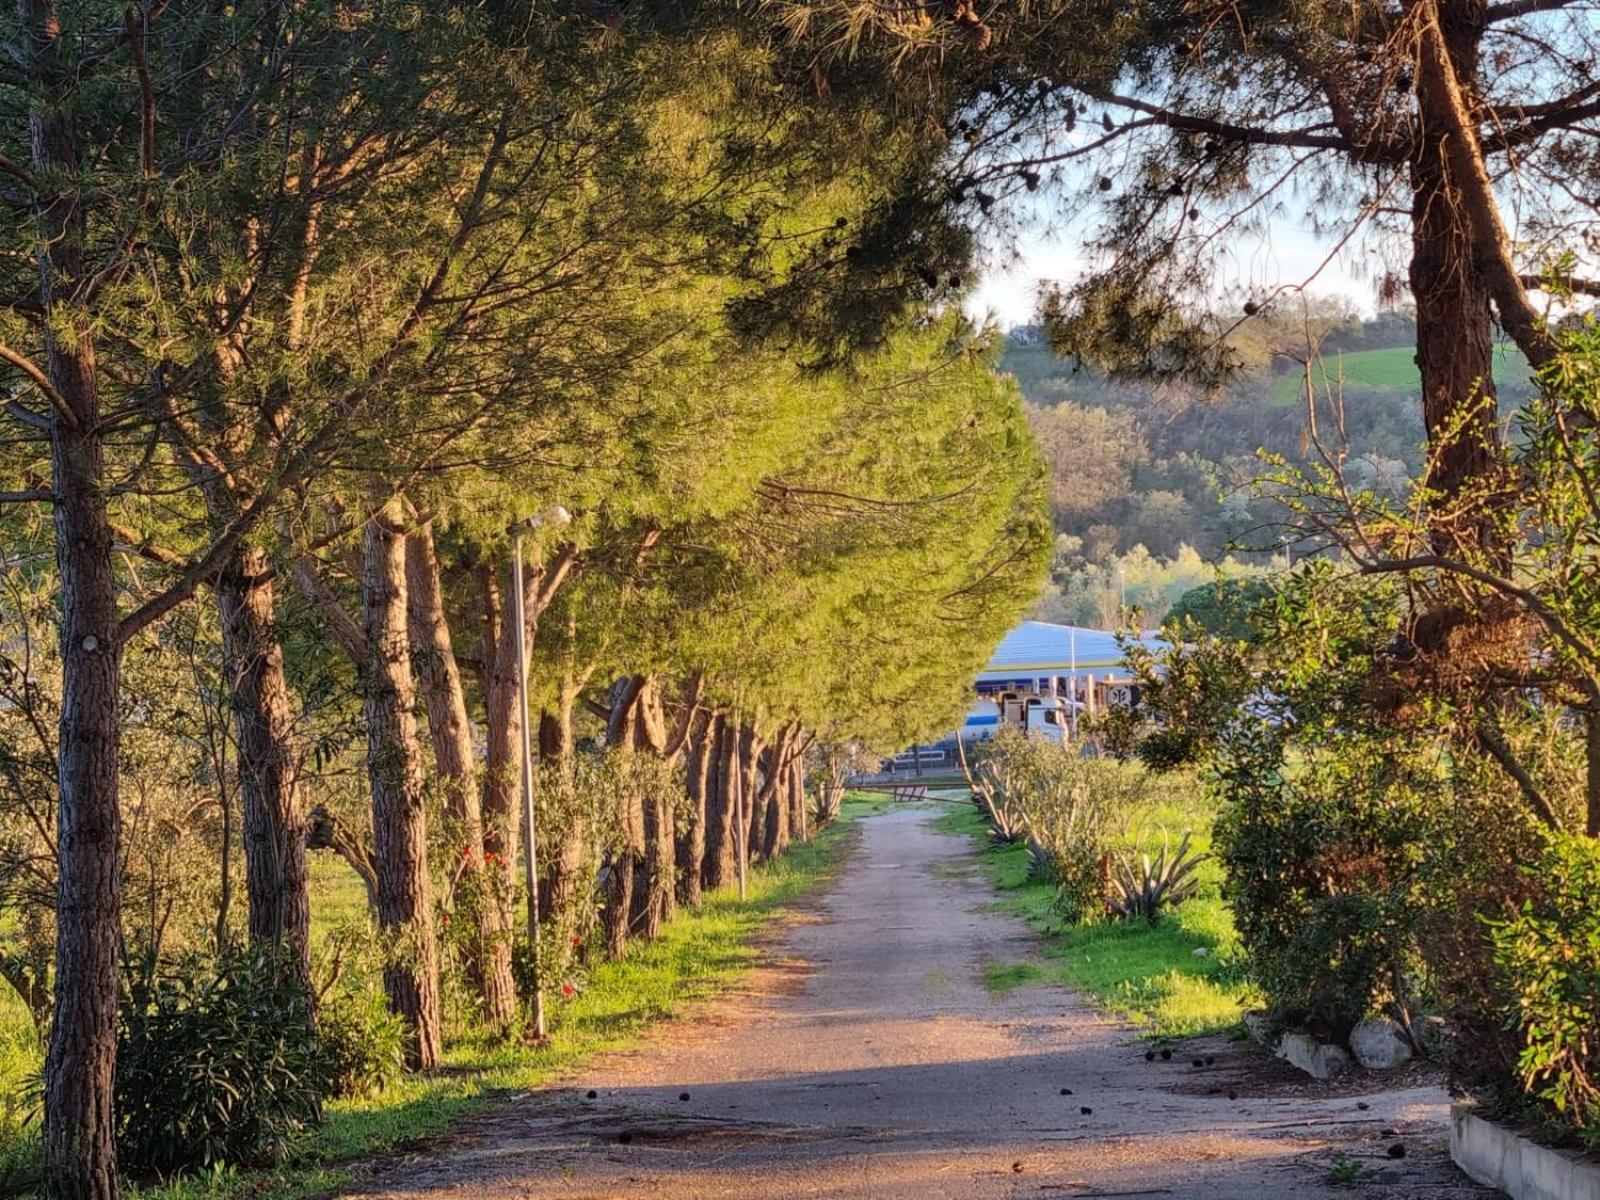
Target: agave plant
(995, 795)
(1143, 889)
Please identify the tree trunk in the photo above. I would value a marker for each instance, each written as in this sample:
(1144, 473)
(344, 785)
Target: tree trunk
(276, 878)
(691, 847)
(1455, 325)
(655, 889)
(719, 866)
(750, 763)
(80, 1149)
(571, 860)
(489, 953)
(798, 817)
(775, 796)
(80, 1155)
(502, 814)
(502, 805)
(621, 735)
(399, 813)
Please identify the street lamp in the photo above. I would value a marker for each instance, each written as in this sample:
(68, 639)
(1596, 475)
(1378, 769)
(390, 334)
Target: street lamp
(530, 839)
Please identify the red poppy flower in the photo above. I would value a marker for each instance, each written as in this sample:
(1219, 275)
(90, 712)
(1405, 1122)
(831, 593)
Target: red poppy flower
(567, 989)
(577, 940)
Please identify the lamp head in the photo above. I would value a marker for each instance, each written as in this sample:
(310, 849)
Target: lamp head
(556, 514)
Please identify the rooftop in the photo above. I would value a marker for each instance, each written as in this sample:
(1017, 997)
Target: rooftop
(1043, 646)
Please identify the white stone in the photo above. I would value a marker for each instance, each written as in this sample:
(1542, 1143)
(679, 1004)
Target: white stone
(1379, 1044)
(1317, 1059)
(1518, 1166)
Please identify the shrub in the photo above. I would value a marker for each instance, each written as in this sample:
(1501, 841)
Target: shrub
(361, 1043)
(1070, 801)
(1323, 870)
(1548, 961)
(217, 1063)
(996, 778)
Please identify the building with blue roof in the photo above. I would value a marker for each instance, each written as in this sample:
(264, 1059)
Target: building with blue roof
(1065, 668)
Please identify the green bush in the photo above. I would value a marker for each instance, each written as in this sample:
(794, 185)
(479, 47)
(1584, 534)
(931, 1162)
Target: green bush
(1323, 869)
(217, 1063)
(361, 1044)
(1070, 803)
(1548, 960)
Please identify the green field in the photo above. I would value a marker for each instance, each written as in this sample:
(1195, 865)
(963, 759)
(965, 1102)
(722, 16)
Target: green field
(1392, 370)
(1148, 975)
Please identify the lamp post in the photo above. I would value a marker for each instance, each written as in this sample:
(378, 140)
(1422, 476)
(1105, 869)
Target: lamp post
(743, 822)
(530, 837)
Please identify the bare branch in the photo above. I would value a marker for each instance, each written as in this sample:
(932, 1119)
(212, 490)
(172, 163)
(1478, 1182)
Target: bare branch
(41, 381)
(1488, 737)
(344, 628)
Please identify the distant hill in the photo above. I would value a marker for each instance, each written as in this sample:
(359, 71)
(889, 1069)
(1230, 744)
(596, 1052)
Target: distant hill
(1392, 370)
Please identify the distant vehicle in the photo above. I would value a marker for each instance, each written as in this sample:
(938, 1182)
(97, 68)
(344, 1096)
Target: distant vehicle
(1048, 717)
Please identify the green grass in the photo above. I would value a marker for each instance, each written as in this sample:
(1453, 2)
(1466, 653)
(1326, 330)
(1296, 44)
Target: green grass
(698, 955)
(1150, 976)
(1391, 370)
(1001, 978)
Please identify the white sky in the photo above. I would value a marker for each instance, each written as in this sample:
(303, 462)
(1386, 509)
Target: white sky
(1292, 254)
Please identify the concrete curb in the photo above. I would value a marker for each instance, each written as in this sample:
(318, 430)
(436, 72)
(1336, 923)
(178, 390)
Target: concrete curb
(1523, 1169)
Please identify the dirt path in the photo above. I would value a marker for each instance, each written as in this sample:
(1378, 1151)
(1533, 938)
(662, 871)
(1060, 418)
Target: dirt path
(868, 1061)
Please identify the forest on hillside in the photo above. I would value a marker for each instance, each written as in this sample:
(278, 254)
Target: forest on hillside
(1153, 484)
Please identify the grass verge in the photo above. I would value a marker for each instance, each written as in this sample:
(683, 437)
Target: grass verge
(698, 955)
(1148, 975)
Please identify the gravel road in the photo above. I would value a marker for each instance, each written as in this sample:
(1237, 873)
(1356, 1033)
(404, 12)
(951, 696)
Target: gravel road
(867, 1060)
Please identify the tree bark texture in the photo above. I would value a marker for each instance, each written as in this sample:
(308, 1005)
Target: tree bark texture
(750, 745)
(621, 735)
(399, 795)
(691, 847)
(719, 866)
(1455, 321)
(455, 766)
(799, 819)
(80, 1156)
(276, 878)
(775, 795)
(565, 873)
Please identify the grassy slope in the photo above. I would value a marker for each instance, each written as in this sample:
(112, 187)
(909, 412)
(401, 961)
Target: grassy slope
(1391, 370)
(1150, 976)
(699, 954)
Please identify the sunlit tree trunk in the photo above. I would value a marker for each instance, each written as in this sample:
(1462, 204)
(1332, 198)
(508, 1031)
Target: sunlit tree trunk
(621, 736)
(719, 864)
(776, 801)
(1455, 320)
(691, 849)
(439, 675)
(750, 744)
(394, 770)
(799, 818)
(570, 863)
